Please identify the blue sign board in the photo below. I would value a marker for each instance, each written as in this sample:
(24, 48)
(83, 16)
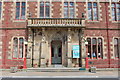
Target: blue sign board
(75, 52)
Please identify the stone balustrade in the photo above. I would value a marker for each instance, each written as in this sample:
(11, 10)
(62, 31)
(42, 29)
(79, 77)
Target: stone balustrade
(56, 22)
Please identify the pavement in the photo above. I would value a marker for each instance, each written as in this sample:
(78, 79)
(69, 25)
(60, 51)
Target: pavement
(81, 74)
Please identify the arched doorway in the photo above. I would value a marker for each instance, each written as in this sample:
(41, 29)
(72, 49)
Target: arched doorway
(56, 52)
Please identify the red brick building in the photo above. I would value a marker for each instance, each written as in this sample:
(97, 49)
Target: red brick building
(70, 33)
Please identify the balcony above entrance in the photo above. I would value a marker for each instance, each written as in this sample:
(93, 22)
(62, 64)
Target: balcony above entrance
(56, 22)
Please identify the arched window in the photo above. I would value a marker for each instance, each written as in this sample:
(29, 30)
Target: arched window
(100, 48)
(15, 47)
(89, 47)
(18, 47)
(116, 47)
(21, 47)
(95, 48)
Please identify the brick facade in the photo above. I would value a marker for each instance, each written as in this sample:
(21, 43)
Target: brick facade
(104, 27)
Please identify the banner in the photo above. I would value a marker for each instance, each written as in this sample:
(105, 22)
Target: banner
(75, 52)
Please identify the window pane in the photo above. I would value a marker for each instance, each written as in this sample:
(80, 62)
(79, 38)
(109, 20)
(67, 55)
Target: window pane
(95, 17)
(118, 5)
(47, 4)
(71, 12)
(66, 12)
(65, 3)
(89, 4)
(41, 3)
(94, 48)
(89, 47)
(0, 9)
(94, 4)
(41, 9)
(21, 49)
(94, 41)
(23, 10)
(113, 14)
(90, 13)
(118, 14)
(116, 48)
(71, 3)
(115, 41)
(113, 5)
(17, 10)
(47, 10)
(100, 48)
(15, 48)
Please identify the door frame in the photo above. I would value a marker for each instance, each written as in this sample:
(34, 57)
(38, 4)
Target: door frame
(51, 51)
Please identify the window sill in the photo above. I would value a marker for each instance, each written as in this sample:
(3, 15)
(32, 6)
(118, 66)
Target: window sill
(18, 20)
(95, 59)
(116, 58)
(17, 58)
(115, 21)
(92, 21)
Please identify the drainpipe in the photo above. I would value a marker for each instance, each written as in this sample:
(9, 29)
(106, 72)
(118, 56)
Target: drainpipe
(107, 26)
(32, 46)
(80, 51)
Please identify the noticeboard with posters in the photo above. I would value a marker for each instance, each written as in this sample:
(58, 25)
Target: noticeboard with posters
(75, 51)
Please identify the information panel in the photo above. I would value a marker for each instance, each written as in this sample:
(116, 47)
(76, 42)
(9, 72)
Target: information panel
(75, 52)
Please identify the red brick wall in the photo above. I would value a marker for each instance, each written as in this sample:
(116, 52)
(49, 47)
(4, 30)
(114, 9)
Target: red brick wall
(9, 22)
(56, 9)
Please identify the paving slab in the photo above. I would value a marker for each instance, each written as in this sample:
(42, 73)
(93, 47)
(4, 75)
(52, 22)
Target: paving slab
(85, 74)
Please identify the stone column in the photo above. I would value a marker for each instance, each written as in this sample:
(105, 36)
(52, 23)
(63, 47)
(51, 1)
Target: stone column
(44, 49)
(69, 53)
(83, 53)
(29, 49)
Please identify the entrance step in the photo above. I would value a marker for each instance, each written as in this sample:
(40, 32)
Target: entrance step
(54, 69)
(58, 66)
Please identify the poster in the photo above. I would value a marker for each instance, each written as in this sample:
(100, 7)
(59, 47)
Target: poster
(75, 52)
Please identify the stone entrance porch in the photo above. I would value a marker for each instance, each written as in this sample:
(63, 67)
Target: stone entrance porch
(40, 37)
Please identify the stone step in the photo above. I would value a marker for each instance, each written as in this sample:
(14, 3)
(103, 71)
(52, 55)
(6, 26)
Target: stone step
(55, 69)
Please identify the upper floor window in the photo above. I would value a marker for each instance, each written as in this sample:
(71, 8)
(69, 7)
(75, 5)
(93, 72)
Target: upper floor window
(18, 47)
(20, 10)
(117, 47)
(0, 9)
(69, 10)
(92, 11)
(44, 9)
(95, 48)
(115, 11)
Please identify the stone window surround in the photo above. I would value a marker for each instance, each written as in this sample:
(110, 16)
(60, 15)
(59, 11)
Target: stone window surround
(99, 17)
(113, 46)
(110, 11)
(91, 37)
(98, 9)
(18, 44)
(20, 10)
(69, 6)
(38, 7)
(14, 11)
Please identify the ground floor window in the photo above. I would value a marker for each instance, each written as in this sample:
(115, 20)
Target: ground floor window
(116, 47)
(18, 47)
(95, 48)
